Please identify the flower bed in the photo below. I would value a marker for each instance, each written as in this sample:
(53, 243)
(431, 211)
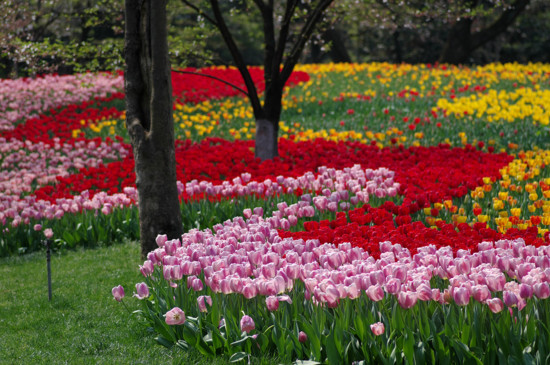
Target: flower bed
(406, 218)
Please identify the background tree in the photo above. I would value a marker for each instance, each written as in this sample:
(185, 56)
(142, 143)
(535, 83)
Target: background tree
(149, 121)
(468, 31)
(286, 30)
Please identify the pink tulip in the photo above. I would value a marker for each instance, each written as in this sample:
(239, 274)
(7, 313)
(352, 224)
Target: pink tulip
(202, 301)
(302, 337)
(525, 291)
(48, 233)
(197, 284)
(175, 316)
(461, 295)
(407, 299)
(541, 290)
(148, 268)
(424, 292)
(250, 291)
(118, 293)
(272, 303)
(496, 282)
(37, 227)
(142, 291)
(481, 293)
(495, 305)
(375, 293)
(161, 240)
(377, 328)
(509, 298)
(247, 324)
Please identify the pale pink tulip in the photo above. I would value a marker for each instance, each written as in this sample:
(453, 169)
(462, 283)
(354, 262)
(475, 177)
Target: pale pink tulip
(175, 316)
(247, 324)
(118, 293)
(142, 291)
(407, 299)
(161, 240)
(481, 293)
(272, 303)
(48, 233)
(377, 328)
(495, 305)
(541, 290)
(461, 295)
(202, 301)
(375, 293)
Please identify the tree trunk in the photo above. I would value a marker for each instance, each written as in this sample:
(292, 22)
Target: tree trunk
(458, 46)
(461, 42)
(338, 51)
(149, 120)
(266, 139)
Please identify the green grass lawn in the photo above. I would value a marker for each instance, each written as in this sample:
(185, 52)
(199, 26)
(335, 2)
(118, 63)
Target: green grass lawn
(82, 324)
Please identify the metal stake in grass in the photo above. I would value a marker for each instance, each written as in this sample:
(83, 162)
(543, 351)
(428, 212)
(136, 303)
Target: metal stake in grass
(48, 259)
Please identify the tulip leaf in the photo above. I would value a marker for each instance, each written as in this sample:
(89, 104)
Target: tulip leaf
(408, 346)
(333, 356)
(182, 345)
(164, 342)
(238, 356)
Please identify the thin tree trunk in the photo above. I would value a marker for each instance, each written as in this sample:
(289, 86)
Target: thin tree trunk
(149, 120)
(458, 46)
(266, 139)
(338, 51)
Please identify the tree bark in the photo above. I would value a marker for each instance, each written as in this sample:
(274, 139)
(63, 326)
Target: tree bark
(149, 121)
(338, 52)
(266, 146)
(461, 42)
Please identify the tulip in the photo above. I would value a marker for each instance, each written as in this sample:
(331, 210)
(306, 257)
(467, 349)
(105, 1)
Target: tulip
(461, 295)
(202, 300)
(250, 291)
(272, 303)
(481, 293)
(142, 291)
(247, 324)
(302, 337)
(375, 293)
(161, 240)
(148, 268)
(175, 316)
(525, 291)
(118, 293)
(377, 328)
(407, 299)
(496, 282)
(495, 305)
(509, 298)
(48, 233)
(541, 290)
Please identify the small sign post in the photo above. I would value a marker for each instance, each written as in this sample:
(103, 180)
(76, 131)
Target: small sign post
(48, 260)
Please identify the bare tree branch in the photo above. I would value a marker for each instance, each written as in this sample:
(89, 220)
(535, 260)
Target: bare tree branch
(211, 77)
(303, 37)
(238, 58)
(200, 12)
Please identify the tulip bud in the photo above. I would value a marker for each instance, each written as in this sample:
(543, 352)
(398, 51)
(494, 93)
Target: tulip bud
(118, 293)
(247, 324)
(377, 328)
